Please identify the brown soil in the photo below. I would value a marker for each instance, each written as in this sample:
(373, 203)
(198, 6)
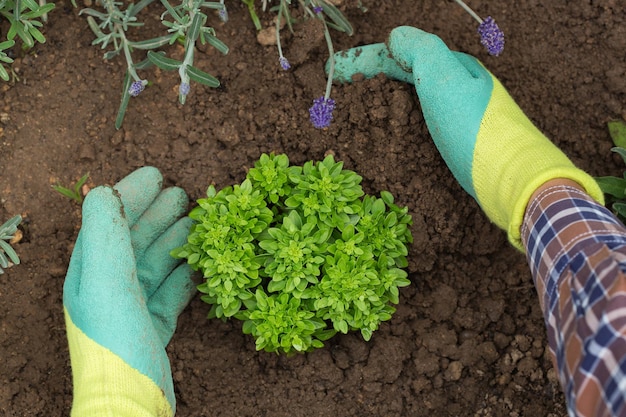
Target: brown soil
(468, 338)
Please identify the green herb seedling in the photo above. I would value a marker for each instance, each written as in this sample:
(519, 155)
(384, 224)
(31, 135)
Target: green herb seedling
(299, 253)
(74, 192)
(7, 253)
(614, 188)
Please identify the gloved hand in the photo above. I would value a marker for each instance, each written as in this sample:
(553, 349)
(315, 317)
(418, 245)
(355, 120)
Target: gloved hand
(122, 297)
(495, 152)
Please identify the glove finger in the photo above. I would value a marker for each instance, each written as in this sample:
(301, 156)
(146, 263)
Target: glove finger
(159, 263)
(368, 60)
(170, 299)
(454, 91)
(71, 285)
(433, 64)
(138, 190)
(100, 271)
(109, 306)
(168, 206)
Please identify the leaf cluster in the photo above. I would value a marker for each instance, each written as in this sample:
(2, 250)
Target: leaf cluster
(299, 253)
(24, 18)
(185, 23)
(336, 19)
(7, 253)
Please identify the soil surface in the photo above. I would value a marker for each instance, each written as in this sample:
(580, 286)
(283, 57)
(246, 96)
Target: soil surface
(468, 337)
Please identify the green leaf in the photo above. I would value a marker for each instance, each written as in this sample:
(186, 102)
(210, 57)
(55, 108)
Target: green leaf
(151, 43)
(620, 208)
(202, 77)
(613, 186)
(367, 334)
(617, 130)
(195, 27)
(31, 4)
(124, 102)
(40, 11)
(341, 326)
(215, 42)
(193, 258)
(171, 10)
(10, 252)
(620, 151)
(4, 74)
(340, 22)
(167, 64)
(6, 45)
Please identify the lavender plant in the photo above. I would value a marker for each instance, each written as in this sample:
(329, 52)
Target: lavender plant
(25, 18)
(185, 23)
(7, 253)
(299, 253)
(321, 112)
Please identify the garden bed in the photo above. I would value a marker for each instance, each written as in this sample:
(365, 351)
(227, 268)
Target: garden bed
(468, 337)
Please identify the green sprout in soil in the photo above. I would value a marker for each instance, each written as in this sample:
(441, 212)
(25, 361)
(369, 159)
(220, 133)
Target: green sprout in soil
(615, 187)
(24, 19)
(299, 253)
(74, 192)
(8, 256)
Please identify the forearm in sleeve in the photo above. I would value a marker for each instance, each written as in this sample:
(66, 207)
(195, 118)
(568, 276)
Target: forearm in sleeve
(576, 251)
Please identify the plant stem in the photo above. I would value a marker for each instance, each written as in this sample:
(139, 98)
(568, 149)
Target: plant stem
(331, 59)
(280, 49)
(468, 10)
(129, 58)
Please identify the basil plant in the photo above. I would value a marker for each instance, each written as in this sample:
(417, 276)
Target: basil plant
(299, 253)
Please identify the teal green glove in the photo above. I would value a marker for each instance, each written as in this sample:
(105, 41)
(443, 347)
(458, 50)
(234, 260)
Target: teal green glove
(122, 297)
(495, 152)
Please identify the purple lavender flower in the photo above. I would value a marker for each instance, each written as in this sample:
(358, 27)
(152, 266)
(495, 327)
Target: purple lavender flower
(136, 88)
(318, 9)
(223, 15)
(284, 64)
(184, 89)
(491, 37)
(321, 112)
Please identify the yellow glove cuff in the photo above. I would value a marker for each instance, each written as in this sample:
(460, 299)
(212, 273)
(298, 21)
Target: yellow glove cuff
(106, 386)
(506, 172)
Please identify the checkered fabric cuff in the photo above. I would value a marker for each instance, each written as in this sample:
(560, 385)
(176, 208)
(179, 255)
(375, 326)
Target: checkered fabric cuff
(576, 251)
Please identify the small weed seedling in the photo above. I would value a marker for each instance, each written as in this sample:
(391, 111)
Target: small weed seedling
(74, 192)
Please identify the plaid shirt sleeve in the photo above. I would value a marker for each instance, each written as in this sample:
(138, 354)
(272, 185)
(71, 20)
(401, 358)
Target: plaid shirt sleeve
(576, 251)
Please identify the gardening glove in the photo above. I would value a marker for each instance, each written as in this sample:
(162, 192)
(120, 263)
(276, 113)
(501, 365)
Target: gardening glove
(122, 296)
(495, 152)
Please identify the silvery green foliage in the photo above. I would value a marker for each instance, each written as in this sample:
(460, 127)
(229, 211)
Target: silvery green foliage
(330, 18)
(7, 253)
(24, 18)
(185, 22)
